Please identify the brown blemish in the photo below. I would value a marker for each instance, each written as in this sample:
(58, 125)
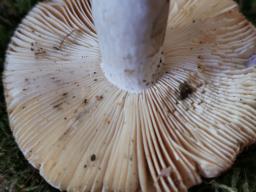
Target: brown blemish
(108, 121)
(40, 52)
(65, 94)
(185, 90)
(93, 157)
(201, 67)
(77, 84)
(62, 43)
(99, 98)
(57, 105)
(66, 132)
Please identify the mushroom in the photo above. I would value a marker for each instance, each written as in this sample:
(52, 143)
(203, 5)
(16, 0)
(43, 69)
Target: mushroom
(162, 96)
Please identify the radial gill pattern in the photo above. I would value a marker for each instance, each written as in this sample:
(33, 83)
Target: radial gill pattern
(84, 134)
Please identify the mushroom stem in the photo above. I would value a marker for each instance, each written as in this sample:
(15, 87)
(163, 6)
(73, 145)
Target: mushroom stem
(131, 35)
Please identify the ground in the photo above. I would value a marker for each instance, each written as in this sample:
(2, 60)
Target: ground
(16, 175)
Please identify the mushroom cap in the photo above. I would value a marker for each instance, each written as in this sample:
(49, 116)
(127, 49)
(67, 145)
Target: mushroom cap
(84, 134)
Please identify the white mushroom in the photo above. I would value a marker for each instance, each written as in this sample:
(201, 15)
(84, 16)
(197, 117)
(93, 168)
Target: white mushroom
(149, 104)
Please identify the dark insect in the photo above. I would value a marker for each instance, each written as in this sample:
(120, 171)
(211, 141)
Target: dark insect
(185, 90)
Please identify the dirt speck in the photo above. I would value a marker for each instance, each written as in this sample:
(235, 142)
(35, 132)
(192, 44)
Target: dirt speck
(93, 157)
(108, 121)
(99, 97)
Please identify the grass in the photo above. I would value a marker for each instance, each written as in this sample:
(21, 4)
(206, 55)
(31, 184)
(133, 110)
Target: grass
(16, 175)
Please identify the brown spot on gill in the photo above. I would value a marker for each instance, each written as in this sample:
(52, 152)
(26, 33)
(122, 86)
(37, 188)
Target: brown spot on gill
(40, 52)
(93, 157)
(58, 105)
(99, 98)
(185, 90)
(65, 94)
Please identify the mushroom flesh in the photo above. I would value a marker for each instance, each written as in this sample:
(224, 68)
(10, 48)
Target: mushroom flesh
(159, 97)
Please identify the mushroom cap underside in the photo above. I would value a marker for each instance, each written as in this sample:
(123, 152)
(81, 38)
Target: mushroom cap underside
(84, 134)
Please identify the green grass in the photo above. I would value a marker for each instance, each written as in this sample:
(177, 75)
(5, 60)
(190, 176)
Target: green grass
(16, 175)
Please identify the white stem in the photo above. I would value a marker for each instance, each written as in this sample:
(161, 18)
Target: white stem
(131, 34)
